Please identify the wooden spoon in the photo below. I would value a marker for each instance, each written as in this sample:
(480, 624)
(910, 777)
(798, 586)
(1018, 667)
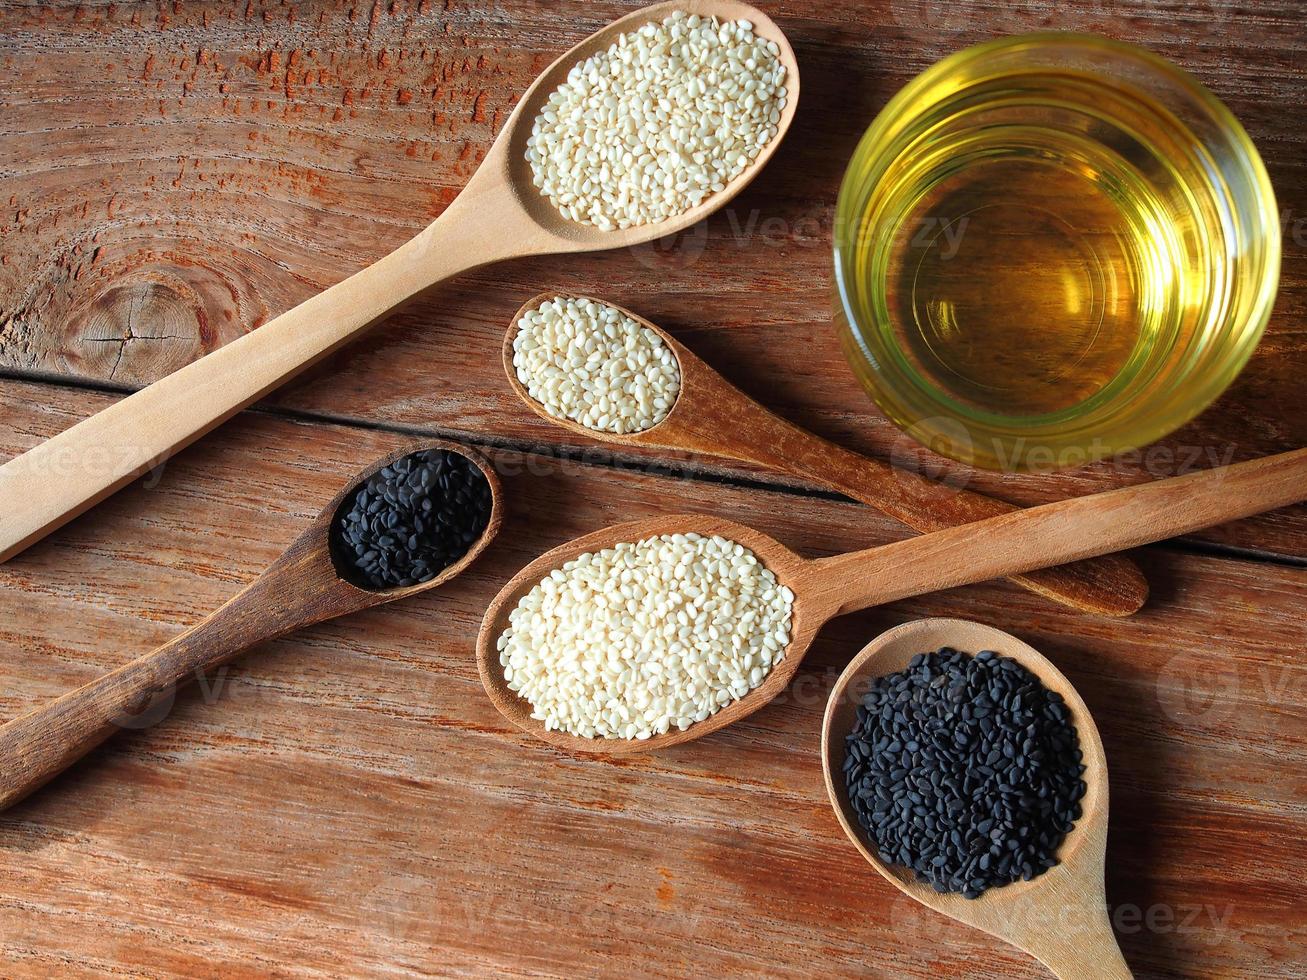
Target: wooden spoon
(712, 416)
(499, 215)
(1052, 534)
(302, 587)
(1060, 917)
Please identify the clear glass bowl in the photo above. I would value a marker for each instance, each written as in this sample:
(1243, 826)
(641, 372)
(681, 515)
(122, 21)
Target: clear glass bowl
(1052, 248)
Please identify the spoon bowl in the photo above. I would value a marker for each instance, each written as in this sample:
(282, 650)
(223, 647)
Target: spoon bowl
(302, 587)
(784, 564)
(679, 428)
(1060, 916)
(508, 156)
(1069, 530)
(316, 542)
(710, 415)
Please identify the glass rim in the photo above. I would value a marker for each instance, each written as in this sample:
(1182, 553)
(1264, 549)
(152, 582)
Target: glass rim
(1063, 430)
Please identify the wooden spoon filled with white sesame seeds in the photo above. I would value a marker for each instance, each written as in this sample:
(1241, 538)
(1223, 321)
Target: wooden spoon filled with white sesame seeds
(656, 639)
(640, 131)
(602, 371)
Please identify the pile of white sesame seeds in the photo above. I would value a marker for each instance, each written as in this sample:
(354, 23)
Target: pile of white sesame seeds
(593, 364)
(666, 116)
(637, 639)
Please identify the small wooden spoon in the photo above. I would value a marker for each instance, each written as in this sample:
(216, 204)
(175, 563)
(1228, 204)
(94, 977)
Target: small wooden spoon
(1052, 534)
(1060, 917)
(499, 215)
(302, 587)
(712, 416)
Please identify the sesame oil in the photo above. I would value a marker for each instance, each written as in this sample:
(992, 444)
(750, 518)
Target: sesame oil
(1026, 258)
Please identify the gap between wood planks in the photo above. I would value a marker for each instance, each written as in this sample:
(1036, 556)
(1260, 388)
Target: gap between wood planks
(598, 456)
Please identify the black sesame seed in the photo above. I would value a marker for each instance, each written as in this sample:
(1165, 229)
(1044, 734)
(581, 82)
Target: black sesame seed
(411, 520)
(981, 763)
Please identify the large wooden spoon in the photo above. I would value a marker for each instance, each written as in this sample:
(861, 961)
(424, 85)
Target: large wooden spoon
(302, 587)
(1060, 917)
(1052, 534)
(499, 215)
(712, 416)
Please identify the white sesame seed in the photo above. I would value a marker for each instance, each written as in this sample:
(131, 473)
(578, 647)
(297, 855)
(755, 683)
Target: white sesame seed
(648, 128)
(632, 640)
(592, 364)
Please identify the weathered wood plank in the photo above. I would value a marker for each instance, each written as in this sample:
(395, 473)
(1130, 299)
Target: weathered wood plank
(172, 175)
(346, 801)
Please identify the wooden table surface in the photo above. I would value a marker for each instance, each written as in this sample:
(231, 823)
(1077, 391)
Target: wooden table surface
(347, 801)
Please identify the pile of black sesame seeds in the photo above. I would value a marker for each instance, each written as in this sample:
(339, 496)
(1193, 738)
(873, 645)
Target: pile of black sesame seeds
(411, 520)
(966, 770)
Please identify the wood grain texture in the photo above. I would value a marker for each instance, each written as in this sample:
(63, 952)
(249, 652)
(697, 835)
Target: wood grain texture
(175, 175)
(350, 795)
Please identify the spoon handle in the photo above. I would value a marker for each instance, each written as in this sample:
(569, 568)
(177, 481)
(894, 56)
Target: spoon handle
(728, 422)
(1112, 585)
(1076, 941)
(51, 484)
(1094, 957)
(1067, 927)
(37, 746)
(1069, 530)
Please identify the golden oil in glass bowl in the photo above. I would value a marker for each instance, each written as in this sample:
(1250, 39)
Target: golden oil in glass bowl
(1051, 248)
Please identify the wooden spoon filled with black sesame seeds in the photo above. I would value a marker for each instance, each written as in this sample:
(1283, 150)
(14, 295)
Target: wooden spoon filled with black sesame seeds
(659, 631)
(407, 524)
(963, 802)
(636, 385)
